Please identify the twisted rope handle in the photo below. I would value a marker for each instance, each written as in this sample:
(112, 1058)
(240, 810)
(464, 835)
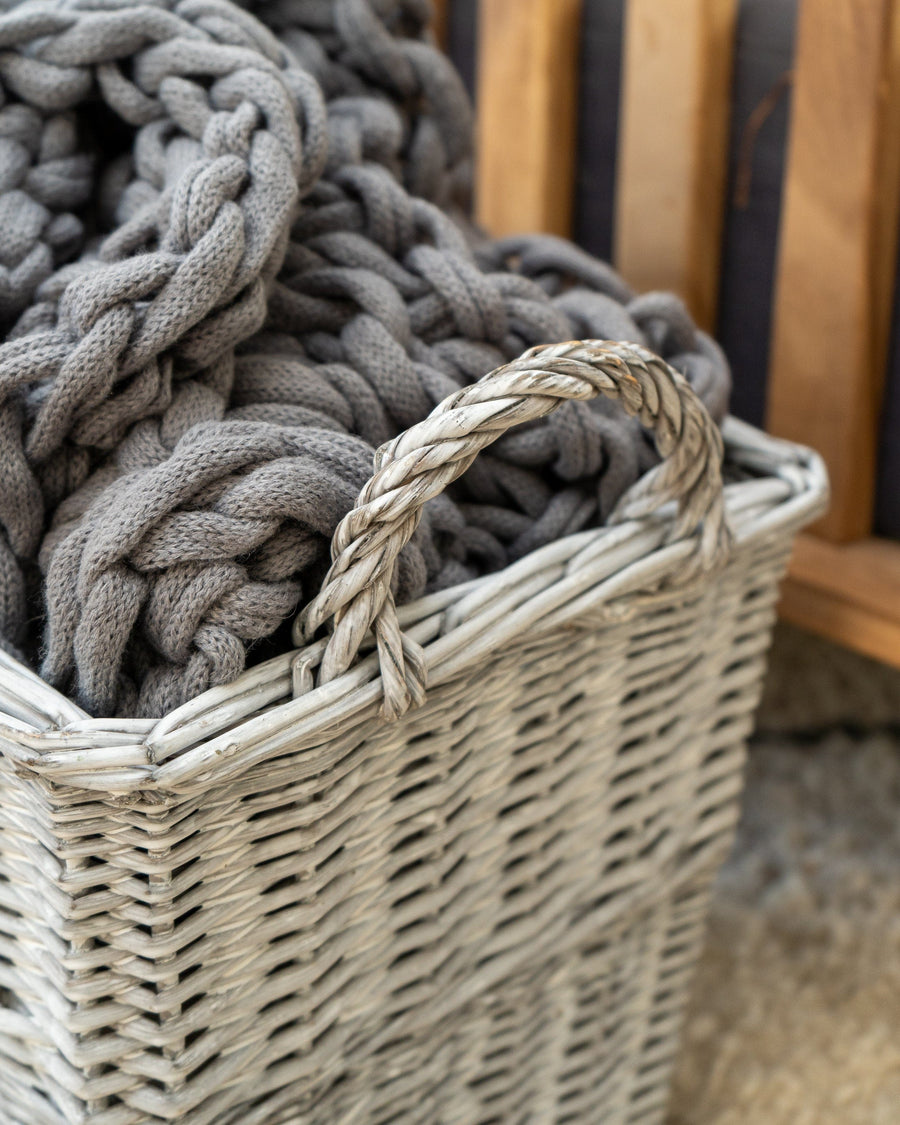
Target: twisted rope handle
(422, 461)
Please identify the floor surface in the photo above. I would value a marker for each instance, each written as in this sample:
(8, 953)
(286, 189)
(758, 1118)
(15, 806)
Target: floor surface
(796, 1011)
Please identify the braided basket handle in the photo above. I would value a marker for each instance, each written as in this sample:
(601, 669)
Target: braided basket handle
(422, 461)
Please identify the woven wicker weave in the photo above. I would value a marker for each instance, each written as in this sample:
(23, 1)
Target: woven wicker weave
(275, 905)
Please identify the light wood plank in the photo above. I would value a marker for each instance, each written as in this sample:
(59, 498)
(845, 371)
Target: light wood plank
(527, 85)
(843, 622)
(441, 22)
(866, 572)
(848, 592)
(673, 147)
(837, 250)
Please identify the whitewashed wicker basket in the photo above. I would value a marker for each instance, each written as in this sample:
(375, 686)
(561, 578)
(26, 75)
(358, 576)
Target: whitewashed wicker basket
(276, 905)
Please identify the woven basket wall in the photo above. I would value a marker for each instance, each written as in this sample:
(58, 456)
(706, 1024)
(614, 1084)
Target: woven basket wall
(277, 906)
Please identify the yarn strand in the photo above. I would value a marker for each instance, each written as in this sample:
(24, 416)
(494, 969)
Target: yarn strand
(236, 262)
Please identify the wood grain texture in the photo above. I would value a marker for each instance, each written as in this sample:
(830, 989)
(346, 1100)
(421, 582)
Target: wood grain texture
(441, 21)
(527, 84)
(673, 147)
(837, 253)
(847, 592)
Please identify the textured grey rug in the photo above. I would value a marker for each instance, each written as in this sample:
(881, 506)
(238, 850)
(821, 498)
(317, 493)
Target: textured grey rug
(796, 1011)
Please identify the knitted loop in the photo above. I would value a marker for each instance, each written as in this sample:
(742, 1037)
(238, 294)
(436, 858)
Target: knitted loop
(421, 462)
(44, 181)
(224, 113)
(189, 408)
(375, 48)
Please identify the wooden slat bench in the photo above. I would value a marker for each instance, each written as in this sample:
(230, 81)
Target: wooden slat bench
(837, 248)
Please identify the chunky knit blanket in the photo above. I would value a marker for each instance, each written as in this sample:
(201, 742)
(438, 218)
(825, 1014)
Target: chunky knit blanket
(233, 261)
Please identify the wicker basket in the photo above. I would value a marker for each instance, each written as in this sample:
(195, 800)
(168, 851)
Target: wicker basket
(277, 905)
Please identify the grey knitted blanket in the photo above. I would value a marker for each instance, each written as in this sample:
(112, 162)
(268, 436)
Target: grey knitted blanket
(233, 261)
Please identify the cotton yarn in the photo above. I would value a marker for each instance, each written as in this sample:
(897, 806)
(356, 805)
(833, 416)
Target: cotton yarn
(241, 265)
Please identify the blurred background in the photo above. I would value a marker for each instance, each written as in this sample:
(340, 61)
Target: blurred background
(746, 154)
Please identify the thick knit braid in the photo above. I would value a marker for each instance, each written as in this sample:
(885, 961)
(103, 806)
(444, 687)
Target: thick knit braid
(391, 337)
(404, 304)
(44, 182)
(372, 56)
(193, 506)
(228, 133)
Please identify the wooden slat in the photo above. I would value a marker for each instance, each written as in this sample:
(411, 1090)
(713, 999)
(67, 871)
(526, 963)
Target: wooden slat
(527, 84)
(847, 592)
(441, 21)
(673, 147)
(838, 248)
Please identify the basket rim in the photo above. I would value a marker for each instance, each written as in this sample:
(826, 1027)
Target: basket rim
(227, 729)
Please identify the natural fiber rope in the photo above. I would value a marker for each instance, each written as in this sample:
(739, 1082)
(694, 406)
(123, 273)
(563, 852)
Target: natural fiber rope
(419, 464)
(188, 410)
